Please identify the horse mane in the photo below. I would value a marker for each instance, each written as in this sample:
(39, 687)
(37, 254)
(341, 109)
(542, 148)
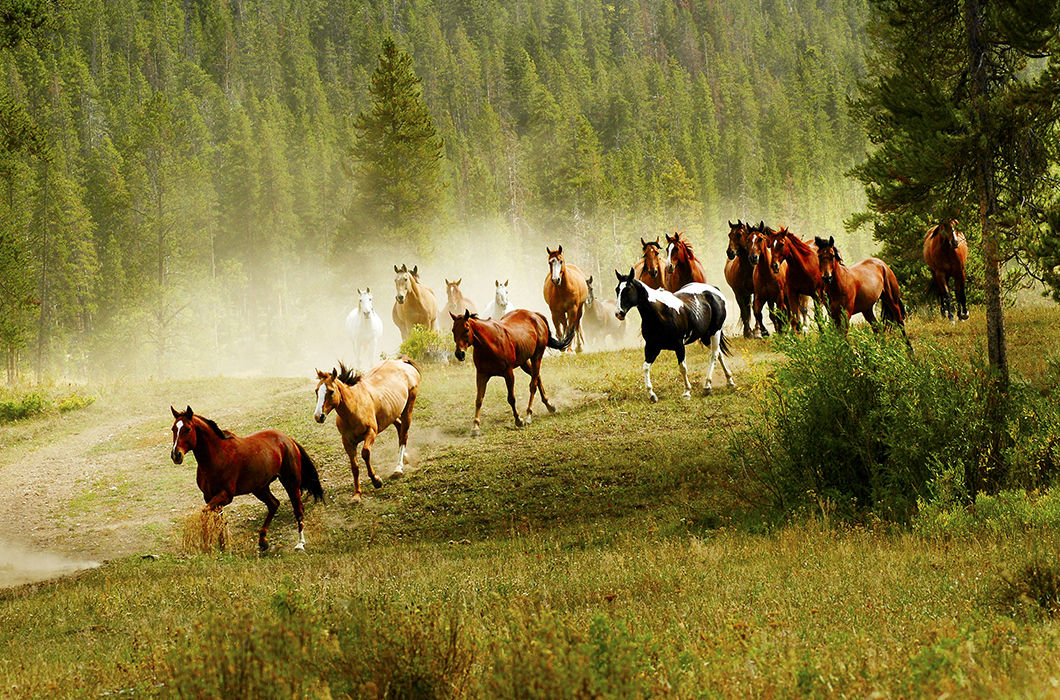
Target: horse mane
(800, 245)
(687, 246)
(223, 434)
(348, 375)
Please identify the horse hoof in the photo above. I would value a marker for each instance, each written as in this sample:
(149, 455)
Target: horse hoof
(300, 547)
(551, 408)
(397, 473)
(263, 547)
(377, 482)
(653, 397)
(475, 432)
(356, 498)
(765, 333)
(529, 419)
(732, 384)
(686, 395)
(708, 390)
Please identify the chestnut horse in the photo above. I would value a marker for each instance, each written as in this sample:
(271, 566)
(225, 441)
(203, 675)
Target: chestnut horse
(414, 303)
(649, 269)
(768, 283)
(945, 252)
(457, 303)
(565, 294)
(739, 273)
(856, 289)
(230, 466)
(366, 405)
(498, 347)
(684, 268)
(803, 275)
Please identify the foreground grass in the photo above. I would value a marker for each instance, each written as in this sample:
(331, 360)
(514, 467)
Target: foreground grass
(600, 551)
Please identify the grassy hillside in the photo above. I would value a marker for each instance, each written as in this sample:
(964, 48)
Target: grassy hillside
(600, 551)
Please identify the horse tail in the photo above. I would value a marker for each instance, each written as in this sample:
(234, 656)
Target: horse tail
(895, 310)
(565, 342)
(310, 477)
(723, 344)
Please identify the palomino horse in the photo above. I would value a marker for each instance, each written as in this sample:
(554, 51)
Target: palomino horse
(945, 252)
(414, 303)
(600, 317)
(684, 268)
(669, 321)
(366, 405)
(365, 329)
(500, 304)
(803, 275)
(230, 466)
(739, 273)
(498, 347)
(457, 303)
(565, 294)
(856, 289)
(650, 269)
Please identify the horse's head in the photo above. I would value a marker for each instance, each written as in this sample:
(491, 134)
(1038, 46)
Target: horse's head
(183, 434)
(652, 263)
(627, 294)
(827, 257)
(500, 293)
(778, 246)
(463, 332)
(364, 301)
(555, 264)
(949, 229)
(589, 300)
(403, 282)
(452, 290)
(676, 250)
(327, 393)
(737, 239)
(758, 247)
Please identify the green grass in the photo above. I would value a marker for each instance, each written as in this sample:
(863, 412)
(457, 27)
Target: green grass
(601, 551)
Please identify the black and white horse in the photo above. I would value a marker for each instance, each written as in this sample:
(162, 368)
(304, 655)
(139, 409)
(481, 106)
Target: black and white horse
(670, 321)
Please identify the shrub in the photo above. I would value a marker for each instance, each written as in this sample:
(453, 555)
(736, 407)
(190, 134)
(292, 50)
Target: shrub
(426, 345)
(19, 406)
(73, 402)
(1032, 590)
(1006, 513)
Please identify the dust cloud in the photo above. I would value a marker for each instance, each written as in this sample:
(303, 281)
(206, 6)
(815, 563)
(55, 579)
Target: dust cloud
(19, 566)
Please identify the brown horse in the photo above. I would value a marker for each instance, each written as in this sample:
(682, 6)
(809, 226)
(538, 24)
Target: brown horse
(684, 268)
(457, 302)
(366, 405)
(498, 347)
(803, 276)
(945, 252)
(601, 317)
(414, 303)
(769, 284)
(649, 269)
(565, 294)
(856, 289)
(739, 273)
(230, 466)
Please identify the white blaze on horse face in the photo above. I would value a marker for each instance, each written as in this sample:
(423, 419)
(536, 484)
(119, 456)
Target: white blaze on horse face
(322, 391)
(176, 435)
(556, 265)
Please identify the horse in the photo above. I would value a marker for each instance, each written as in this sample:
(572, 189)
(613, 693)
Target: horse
(600, 316)
(946, 252)
(366, 405)
(770, 284)
(856, 289)
(739, 273)
(498, 347)
(414, 304)
(649, 268)
(230, 466)
(684, 268)
(365, 328)
(457, 303)
(803, 275)
(669, 321)
(500, 304)
(565, 294)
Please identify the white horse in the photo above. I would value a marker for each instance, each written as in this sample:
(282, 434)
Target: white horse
(500, 305)
(365, 328)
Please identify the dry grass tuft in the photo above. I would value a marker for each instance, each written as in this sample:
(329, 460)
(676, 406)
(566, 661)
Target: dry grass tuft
(203, 531)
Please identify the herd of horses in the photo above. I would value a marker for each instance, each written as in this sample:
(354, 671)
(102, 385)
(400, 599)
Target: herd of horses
(677, 307)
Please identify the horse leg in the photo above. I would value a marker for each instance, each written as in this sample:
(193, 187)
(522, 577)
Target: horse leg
(351, 452)
(944, 295)
(870, 316)
(680, 352)
(481, 380)
(535, 378)
(756, 308)
(962, 304)
(366, 455)
(716, 354)
(650, 353)
(744, 302)
(294, 492)
(403, 431)
(528, 367)
(509, 382)
(272, 503)
(578, 325)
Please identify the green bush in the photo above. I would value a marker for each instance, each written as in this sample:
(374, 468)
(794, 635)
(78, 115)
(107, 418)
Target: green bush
(1006, 513)
(73, 402)
(426, 345)
(1032, 590)
(19, 406)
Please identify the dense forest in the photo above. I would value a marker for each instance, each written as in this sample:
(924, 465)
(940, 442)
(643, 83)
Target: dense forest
(179, 199)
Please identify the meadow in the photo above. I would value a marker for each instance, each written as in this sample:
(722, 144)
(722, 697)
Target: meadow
(608, 550)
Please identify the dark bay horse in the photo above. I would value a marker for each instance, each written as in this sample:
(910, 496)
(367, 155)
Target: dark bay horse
(499, 346)
(684, 267)
(565, 293)
(650, 269)
(739, 273)
(600, 318)
(366, 405)
(414, 303)
(230, 466)
(803, 276)
(669, 321)
(946, 252)
(456, 302)
(856, 289)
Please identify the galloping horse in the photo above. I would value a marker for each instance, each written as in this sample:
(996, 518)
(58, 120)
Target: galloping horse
(945, 252)
(457, 303)
(684, 268)
(230, 466)
(414, 303)
(500, 304)
(769, 284)
(739, 273)
(365, 329)
(498, 347)
(565, 294)
(670, 321)
(601, 318)
(855, 290)
(649, 269)
(366, 405)
(803, 276)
